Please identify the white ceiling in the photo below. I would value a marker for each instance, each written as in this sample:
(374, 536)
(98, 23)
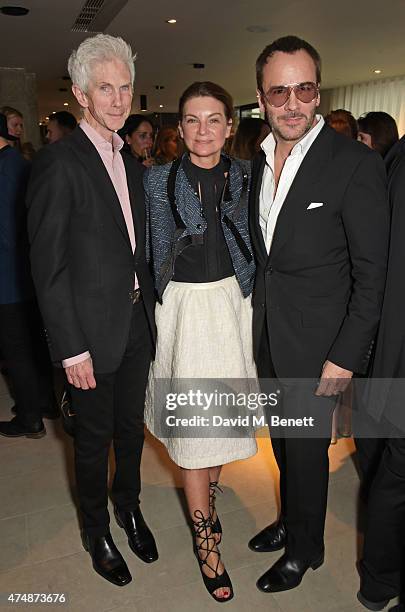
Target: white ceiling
(353, 36)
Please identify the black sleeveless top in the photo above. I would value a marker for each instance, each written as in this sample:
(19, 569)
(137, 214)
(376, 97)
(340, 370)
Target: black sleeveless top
(209, 260)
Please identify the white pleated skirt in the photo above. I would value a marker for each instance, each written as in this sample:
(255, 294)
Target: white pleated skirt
(204, 331)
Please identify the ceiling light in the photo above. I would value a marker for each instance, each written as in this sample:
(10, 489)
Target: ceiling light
(171, 21)
(377, 71)
(14, 11)
(66, 104)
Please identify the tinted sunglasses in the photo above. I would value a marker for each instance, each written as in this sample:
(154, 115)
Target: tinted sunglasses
(279, 95)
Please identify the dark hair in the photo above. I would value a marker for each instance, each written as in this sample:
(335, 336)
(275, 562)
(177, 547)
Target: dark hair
(64, 119)
(132, 123)
(286, 44)
(244, 145)
(212, 90)
(382, 129)
(343, 122)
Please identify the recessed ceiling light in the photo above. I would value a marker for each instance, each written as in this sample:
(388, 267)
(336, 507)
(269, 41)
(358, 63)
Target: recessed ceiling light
(14, 11)
(377, 71)
(66, 104)
(171, 21)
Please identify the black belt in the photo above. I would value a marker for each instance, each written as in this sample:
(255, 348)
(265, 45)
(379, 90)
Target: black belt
(135, 295)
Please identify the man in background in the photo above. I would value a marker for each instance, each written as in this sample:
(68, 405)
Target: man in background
(60, 124)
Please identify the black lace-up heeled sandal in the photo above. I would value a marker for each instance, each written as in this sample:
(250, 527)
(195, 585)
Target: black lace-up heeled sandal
(216, 523)
(205, 546)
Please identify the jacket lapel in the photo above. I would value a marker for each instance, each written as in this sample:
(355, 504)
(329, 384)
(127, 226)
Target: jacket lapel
(301, 190)
(255, 229)
(136, 197)
(94, 166)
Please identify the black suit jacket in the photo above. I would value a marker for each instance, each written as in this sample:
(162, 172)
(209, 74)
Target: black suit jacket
(82, 261)
(386, 397)
(320, 289)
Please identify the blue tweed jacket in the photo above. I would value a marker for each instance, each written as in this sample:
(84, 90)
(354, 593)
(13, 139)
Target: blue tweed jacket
(173, 226)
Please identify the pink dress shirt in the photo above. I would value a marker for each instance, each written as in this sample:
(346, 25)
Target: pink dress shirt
(114, 165)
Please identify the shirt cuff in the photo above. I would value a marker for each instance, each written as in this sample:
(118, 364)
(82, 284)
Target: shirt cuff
(76, 359)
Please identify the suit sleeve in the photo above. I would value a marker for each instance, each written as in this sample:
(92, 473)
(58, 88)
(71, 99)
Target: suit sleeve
(50, 210)
(366, 223)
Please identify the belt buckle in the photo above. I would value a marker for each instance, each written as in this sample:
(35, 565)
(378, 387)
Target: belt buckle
(135, 295)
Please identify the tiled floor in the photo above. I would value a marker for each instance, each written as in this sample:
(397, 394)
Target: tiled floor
(41, 552)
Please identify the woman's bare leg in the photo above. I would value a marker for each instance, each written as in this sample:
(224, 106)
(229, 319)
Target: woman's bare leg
(196, 488)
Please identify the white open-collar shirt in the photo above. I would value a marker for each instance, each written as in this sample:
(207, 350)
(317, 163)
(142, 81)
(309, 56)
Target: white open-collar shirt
(270, 202)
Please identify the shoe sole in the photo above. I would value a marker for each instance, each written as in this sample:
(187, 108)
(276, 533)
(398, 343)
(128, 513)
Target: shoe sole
(145, 560)
(34, 436)
(314, 566)
(372, 605)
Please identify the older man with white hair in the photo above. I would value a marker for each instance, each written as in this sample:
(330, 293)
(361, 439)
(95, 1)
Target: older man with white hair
(87, 229)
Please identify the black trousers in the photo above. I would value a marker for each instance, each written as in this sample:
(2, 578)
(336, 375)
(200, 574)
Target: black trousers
(112, 413)
(383, 564)
(26, 355)
(303, 461)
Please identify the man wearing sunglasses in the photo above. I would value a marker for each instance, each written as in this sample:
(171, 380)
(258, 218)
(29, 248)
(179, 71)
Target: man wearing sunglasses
(319, 224)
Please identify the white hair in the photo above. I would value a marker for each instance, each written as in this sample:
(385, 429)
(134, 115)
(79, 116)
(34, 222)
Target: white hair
(96, 49)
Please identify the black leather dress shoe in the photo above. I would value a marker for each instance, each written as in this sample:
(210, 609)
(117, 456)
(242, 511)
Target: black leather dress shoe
(140, 537)
(372, 605)
(16, 429)
(107, 559)
(271, 538)
(286, 574)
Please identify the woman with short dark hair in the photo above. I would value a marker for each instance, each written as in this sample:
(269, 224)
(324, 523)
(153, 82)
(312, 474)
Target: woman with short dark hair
(378, 130)
(203, 270)
(138, 133)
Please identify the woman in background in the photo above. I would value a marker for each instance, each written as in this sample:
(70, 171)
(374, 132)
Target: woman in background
(250, 134)
(138, 133)
(15, 126)
(342, 121)
(167, 145)
(15, 122)
(378, 131)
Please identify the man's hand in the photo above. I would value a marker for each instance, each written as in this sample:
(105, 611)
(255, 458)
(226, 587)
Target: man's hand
(81, 375)
(334, 380)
